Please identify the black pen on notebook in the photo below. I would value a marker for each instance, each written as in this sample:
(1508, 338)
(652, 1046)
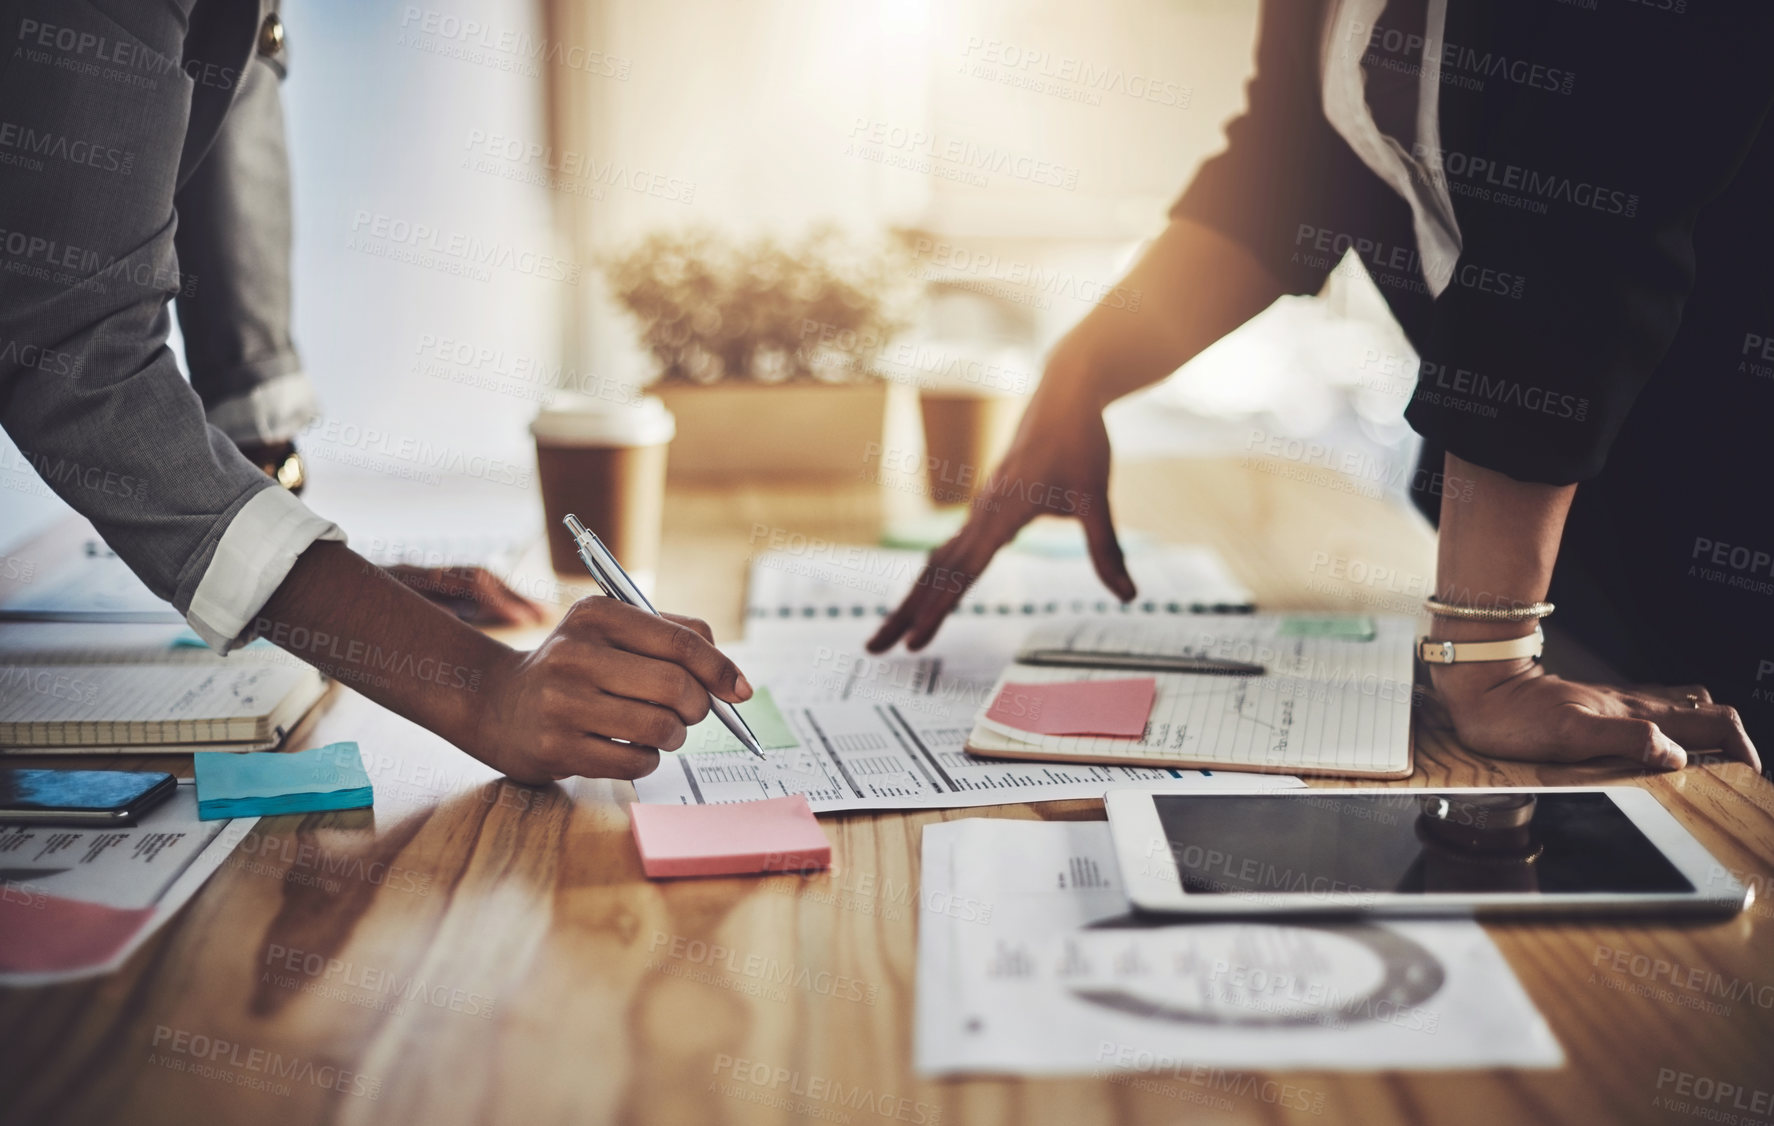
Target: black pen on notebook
(614, 581)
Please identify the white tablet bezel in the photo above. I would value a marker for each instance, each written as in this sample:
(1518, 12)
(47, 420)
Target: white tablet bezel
(1149, 873)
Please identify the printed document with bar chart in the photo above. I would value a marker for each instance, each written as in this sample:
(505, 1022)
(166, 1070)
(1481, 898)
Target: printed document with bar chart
(853, 730)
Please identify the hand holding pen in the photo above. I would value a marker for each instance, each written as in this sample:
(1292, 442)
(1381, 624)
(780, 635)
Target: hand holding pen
(615, 583)
(600, 697)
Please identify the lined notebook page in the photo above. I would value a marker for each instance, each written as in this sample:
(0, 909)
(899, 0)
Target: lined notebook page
(80, 705)
(1326, 705)
(845, 580)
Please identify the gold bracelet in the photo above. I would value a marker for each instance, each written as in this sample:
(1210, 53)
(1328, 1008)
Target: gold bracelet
(1531, 612)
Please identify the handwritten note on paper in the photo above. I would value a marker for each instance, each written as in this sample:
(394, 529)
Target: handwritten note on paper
(1115, 708)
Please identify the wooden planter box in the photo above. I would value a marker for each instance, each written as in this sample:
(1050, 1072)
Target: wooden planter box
(741, 429)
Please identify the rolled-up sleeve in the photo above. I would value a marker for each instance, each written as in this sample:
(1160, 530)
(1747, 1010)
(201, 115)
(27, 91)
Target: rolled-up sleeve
(1591, 200)
(250, 562)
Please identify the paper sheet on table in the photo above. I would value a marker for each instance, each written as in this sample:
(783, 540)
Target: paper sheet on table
(77, 902)
(1030, 963)
(93, 586)
(825, 580)
(888, 732)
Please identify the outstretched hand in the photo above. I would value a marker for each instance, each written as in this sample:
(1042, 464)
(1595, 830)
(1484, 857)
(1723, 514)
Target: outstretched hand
(1060, 470)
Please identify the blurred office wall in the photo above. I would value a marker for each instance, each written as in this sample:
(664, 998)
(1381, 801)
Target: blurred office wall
(459, 165)
(427, 283)
(1015, 136)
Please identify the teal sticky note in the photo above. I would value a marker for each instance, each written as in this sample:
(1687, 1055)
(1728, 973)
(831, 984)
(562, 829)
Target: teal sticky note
(760, 713)
(263, 783)
(1337, 627)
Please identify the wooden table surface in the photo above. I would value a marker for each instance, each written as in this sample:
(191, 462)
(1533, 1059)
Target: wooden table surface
(551, 991)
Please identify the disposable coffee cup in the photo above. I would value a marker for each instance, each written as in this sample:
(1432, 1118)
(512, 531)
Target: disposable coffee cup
(966, 433)
(605, 463)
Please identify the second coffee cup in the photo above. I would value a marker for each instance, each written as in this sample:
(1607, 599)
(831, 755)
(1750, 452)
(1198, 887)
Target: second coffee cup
(605, 462)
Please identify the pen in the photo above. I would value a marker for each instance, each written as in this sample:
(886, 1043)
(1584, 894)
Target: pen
(1140, 662)
(614, 581)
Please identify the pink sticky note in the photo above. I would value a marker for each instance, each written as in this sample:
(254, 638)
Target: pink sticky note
(776, 835)
(1077, 707)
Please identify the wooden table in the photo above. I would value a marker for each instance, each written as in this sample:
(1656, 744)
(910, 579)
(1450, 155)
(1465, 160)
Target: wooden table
(551, 992)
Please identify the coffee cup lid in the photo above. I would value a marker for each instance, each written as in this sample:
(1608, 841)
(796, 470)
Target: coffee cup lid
(584, 421)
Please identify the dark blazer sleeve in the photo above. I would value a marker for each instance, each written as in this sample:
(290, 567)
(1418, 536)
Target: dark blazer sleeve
(1287, 187)
(1592, 199)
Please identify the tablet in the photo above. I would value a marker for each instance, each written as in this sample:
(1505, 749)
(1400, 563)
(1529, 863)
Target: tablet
(1376, 851)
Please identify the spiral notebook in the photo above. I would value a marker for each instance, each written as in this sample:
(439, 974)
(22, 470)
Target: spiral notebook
(152, 708)
(828, 580)
(1294, 693)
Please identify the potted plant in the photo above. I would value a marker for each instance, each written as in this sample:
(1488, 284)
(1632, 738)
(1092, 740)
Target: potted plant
(766, 351)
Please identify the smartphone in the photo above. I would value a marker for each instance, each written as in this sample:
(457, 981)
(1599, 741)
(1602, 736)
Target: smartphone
(1392, 851)
(81, 797)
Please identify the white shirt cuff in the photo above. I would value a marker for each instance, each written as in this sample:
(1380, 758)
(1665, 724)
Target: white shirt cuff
(251, 561)
(273, 411)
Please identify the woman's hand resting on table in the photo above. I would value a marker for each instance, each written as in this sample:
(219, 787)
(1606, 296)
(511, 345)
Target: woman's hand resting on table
(608, 672)
(1518, 710)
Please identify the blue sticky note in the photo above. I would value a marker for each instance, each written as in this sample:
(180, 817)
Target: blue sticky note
(263, 783)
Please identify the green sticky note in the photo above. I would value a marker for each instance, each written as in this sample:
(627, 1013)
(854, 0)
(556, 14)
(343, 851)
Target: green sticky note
(1338, 627)
(760, 713)
(262, 783)
(925, 531)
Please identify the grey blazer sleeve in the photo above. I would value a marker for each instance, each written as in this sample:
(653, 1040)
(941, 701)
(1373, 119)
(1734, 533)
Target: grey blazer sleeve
(97, 107)
(234, 234)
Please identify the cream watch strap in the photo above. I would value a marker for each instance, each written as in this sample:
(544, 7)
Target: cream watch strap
(1460, 652)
